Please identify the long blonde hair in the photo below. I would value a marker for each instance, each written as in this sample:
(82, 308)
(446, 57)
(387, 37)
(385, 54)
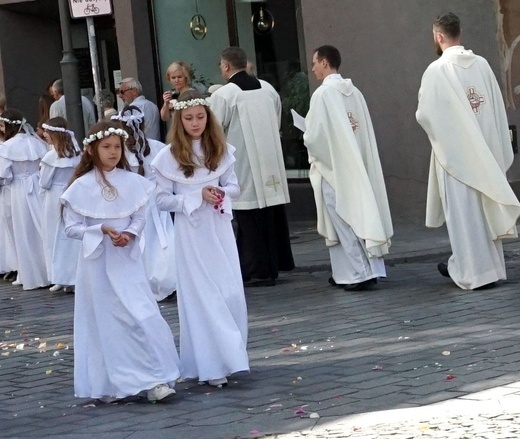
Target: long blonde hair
(213, 140)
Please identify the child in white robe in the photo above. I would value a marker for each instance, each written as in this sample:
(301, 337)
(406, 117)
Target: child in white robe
(56, 169)
(8, 254)
(122, 344)
(20, 156)
(198, 182)
(158, 252)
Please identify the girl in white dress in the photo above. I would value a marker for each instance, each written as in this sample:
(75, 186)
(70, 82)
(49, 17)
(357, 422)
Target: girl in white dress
(56, 169)
(158, 252)
(20, 156)
(122, 344)
(8, 254)
(198, 182)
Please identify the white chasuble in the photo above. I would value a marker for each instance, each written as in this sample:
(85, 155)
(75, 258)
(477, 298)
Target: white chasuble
(343, 151)
(251, 121)
(470, 142)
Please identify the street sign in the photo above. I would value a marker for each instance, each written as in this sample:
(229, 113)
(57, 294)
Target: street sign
(89, 8)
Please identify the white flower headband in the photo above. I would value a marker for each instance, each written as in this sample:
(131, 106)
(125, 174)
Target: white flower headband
(23, 125)
(63, 130)
(58, 129)
(182, 105)
(13, 122)
(102, 134)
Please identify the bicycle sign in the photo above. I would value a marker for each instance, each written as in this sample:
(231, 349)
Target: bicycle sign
(89, 8)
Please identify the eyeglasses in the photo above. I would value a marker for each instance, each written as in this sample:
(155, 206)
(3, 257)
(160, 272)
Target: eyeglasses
(122, 92)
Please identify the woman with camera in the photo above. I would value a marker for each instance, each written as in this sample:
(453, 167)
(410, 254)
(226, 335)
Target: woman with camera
(178, 75)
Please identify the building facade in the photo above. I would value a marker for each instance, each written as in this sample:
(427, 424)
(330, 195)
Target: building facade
(385, 46)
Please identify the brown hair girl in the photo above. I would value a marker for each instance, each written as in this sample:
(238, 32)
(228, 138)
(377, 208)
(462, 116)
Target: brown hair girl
(213, 141)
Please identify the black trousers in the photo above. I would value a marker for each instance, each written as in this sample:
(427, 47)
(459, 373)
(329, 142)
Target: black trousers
(263, 242)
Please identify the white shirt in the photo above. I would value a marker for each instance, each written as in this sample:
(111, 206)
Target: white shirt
(151, 117)
(59, 109)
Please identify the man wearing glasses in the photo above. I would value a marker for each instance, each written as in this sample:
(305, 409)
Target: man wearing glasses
(131, 92)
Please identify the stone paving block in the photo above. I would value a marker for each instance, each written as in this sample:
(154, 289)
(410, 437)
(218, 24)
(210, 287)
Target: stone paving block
(379, 382)
(166, 422)
(95, 428)
(227, 418)
(20, 430)
(31, 390)
(433, 398)
(378, 392)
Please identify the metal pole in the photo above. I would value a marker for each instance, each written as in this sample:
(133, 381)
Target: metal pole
(70, 76)
(91, 30)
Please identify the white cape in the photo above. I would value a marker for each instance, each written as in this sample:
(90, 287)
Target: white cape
(348, 160)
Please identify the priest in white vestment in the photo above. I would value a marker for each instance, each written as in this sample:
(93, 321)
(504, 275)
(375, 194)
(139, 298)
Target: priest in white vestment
(250, 110)
(346, 176)
(462, 111)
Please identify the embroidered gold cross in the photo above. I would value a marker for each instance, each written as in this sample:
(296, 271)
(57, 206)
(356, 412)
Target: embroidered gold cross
(273, 182)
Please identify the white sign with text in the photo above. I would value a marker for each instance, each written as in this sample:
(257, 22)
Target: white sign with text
(89, 8)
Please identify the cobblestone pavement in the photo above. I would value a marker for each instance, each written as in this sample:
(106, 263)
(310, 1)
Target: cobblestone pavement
(319, 358)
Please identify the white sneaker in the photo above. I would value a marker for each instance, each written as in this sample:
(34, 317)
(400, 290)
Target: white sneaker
(68, 289)
(55, 288)
(16, 282)
(221, 382)
(160, 393)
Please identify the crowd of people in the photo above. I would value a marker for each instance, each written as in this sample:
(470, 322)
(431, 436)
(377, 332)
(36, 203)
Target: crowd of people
(125, 220)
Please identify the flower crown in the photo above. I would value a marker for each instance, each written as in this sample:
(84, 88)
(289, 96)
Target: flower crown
(102, 134)
(13, 122)
(58, 129)
(63, 130)
(182, 105)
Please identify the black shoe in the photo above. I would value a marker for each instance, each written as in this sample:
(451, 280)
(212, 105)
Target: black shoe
(253, 282)
(487, 286)
(332, 282)
(11, 276)
(171, 296)
(361, 286)
(443, 269)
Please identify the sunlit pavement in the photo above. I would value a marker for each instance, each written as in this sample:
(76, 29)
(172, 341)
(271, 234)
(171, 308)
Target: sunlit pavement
(324, 363)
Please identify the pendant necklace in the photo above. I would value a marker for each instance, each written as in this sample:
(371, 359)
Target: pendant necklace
(109, 193)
